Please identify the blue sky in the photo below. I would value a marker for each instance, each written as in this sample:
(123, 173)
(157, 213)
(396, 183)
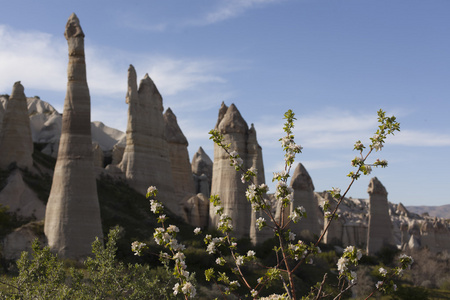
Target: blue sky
(335, 63)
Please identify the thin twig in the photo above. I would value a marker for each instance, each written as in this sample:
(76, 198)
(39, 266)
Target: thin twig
(321, 286)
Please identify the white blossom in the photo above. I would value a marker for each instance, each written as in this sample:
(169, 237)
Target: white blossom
(239, 260)
(354, 277)
(173, 228)
(176, 288)
(342, 264)
(136, 247)
(349, 249)
(220, 261)
(358, 254)
(251, 253)
(151, 189)
(243, 178)
(197, 230)
(154, 206)
(260, 222)
(379, 284)
(211, 248)
(179, 256)
(336, 190)
(189, 289)
(382, 271)
(251, 192)
(291, 236)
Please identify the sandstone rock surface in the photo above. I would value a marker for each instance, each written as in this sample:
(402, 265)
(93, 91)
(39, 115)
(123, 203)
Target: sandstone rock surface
(146, 159)
(21, 240)
(202, 167)
(72, 220)
(226, 181)
(179, 157)
(380, 226)
(20, 199)
(16, 144)
(303, 188)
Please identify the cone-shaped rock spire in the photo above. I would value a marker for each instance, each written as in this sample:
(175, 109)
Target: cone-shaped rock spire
(16, 144)
(72, 219)
(255, 160)
(303, 188)
(222, 111)
(380, 226)
(226, 181)
(201, 163)
(146, 159)
(179, 157)
(202, 167)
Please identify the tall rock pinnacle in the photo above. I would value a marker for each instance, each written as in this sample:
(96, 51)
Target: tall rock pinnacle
(226, 181)
(146, 159)
(380, 226)
(303, 188)
(16, 144)
(179, 157)
(72, 219)
(202, 167)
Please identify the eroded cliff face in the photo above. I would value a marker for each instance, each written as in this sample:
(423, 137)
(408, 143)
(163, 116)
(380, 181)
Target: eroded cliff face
(15, 136)
(72, 219)
(146, 158)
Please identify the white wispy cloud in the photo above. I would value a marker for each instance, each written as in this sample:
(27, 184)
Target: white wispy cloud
(418, 138)
(328, 128)
(340, 129)
(35, 58)
(227, 9)
(231, 9)
(39, 60)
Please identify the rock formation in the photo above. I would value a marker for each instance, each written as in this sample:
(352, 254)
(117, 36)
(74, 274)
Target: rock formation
(72, 219)
(15, 140)
(380, 225)
(21, 240)
(303, 188)
(226, 182)
(20, 199)
(146, 159)
(179, 157)
(98, 156)
(196, 210)
(202, 166)
(334, 233)
(255, 160)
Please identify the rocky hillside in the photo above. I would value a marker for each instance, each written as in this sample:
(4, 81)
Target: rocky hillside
(442, 211)
(46, 122)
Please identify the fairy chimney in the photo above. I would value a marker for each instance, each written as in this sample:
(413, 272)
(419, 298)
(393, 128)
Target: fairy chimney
(255, 160)
(380, 226)
(303, 188)
(201, 167)
(179, 157)
(16, 144)
(72, 218)
(226, 182)
(146, 159)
